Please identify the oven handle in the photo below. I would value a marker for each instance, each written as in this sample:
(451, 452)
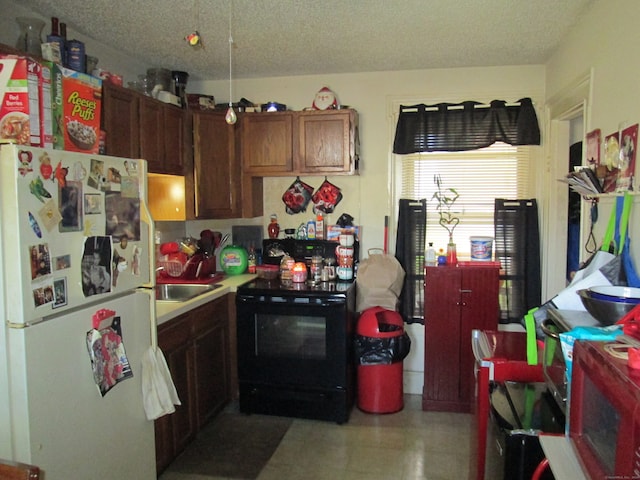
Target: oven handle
(277, 300)
(544, 326)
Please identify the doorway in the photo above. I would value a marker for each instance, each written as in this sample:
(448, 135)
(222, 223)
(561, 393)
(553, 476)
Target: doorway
(567, 115)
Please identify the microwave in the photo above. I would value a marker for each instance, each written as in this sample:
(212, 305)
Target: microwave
(604, 412)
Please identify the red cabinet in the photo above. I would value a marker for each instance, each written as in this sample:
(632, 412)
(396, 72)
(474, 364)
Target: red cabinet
(457, 301)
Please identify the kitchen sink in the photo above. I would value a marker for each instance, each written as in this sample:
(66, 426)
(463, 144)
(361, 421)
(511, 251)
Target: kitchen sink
(183, 292)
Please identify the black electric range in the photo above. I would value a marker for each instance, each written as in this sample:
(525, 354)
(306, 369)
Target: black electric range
(295, 348)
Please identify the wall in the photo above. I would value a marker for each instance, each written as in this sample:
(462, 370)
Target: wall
(374, 95)
(605, 42)
(366, 197)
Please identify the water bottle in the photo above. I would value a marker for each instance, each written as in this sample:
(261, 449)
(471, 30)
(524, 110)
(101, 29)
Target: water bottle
(430, 256)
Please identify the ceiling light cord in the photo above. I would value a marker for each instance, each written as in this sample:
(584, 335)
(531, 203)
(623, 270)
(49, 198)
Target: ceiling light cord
(230, 117)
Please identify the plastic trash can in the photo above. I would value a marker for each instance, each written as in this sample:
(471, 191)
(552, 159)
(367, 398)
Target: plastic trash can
(380, 346)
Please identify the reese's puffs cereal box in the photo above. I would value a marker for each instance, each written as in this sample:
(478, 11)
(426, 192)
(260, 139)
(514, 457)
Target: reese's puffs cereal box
(76, 100)
(19, 100)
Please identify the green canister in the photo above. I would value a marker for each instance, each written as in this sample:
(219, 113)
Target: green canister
(234, 259)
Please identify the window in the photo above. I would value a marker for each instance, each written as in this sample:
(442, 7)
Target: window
(479, 176)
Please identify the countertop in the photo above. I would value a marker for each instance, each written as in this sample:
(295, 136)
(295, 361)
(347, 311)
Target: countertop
(165, 311)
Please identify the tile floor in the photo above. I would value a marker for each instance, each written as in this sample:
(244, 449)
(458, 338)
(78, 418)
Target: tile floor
(407, 445)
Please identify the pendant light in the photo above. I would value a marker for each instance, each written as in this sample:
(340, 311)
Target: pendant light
(230, 117)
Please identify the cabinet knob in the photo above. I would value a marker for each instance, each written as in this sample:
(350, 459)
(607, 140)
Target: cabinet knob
(462, 290)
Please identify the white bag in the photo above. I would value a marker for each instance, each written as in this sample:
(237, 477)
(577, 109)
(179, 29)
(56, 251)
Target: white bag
(379, 281)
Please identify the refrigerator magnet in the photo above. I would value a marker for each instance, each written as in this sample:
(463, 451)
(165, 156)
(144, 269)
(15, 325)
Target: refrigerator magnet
(49, 215)
(59, 292)
(34, 225)
(36, 187)
(25, 162)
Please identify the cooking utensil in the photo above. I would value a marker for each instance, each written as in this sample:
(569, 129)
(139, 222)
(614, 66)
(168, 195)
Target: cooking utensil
(223, 241)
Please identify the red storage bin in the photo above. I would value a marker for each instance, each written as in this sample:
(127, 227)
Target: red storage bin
(381, 345)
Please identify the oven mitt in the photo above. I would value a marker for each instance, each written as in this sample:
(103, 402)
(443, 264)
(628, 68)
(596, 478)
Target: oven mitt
(326, 197)
(297, 197)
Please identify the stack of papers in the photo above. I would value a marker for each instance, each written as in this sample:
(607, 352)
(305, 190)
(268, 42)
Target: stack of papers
(584, 181)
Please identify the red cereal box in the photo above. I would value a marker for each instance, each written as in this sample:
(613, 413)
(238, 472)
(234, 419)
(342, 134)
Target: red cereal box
(20, 100)
(76, 102)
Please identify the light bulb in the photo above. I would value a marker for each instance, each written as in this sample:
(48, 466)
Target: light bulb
(230, 117)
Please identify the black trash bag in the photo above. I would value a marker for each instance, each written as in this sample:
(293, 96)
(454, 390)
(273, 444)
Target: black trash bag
(382, 351)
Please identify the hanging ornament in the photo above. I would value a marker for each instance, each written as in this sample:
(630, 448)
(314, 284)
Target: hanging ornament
(194, 39)
(230, 117)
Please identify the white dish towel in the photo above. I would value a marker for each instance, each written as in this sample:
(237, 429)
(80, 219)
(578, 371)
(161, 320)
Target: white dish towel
(158, 391)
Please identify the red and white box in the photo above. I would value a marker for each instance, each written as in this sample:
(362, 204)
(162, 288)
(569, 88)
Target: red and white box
(20, 100)
(334, 232)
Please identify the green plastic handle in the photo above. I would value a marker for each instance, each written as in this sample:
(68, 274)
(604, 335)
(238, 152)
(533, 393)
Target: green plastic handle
(532, 343)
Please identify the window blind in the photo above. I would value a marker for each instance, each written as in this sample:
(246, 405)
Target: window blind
(479, 176)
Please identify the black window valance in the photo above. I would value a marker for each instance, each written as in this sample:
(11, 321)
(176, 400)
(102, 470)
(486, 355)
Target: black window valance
(454, 127)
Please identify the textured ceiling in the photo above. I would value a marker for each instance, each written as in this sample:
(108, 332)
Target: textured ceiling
(300, 37)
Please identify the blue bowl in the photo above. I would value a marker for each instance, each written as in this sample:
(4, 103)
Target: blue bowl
(616, 294)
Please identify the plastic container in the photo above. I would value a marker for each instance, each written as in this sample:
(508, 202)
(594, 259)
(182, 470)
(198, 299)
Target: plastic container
(430, 256)
(381, 345)
(234, 259)
(267, 272)
(481, 248)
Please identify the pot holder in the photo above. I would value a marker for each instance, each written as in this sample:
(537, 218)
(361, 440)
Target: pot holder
(326, 197)
(297, 197)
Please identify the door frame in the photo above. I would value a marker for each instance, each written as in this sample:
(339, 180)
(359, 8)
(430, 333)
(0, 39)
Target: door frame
(570, 103)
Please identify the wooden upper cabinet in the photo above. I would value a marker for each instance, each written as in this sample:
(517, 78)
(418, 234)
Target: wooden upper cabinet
(267, 142)
(151, 134)
(326, 142)
(307, 142)
(216, 168)
(138, 126)
(177, 141)
(120, 121)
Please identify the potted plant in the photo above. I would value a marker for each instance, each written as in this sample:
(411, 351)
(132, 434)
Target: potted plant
(449, 220)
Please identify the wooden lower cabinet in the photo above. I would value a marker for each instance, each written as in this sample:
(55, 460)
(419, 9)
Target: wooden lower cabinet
(197, 349)
(457, 301)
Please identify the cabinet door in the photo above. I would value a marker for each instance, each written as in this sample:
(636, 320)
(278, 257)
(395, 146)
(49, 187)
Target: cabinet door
(176, 344)
(479, 310)
(211, 329)
(267, 142)
(174, 127)
(120, 121)
(152, 134)
(216, 169)
(442, 338)
(164, 443)
(325, 142)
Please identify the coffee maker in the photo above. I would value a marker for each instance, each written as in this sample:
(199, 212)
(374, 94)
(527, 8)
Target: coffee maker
(179, 80)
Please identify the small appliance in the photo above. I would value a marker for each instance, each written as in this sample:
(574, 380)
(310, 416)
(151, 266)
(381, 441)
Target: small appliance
(604, 419)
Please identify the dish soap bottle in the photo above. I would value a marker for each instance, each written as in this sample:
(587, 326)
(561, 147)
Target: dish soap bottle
(430, 256)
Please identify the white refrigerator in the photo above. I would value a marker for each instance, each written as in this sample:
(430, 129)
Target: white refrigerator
(75, 248)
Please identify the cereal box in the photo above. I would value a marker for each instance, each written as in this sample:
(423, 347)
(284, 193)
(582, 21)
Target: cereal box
(44, 90)
(76, 105)
(19, 94)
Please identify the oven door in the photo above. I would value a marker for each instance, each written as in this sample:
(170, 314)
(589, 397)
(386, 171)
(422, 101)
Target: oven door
(294, 340)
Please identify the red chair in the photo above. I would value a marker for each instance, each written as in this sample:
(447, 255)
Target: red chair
(508, 363)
